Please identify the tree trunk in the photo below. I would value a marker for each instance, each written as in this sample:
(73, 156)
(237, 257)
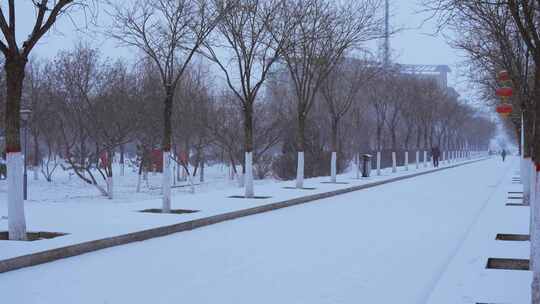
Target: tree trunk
(109, 181)
(535, 202)
(528, 126)
(333, 161)
(418, 137)
(36, 157)
(300, 149)
(201, 175)
(167, 133)
(394, 162)
(248, 142)
(122, 165)
(379, 137)
(14, 80)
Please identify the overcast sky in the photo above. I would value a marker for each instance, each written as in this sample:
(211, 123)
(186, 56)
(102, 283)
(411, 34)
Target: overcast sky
(413, 45)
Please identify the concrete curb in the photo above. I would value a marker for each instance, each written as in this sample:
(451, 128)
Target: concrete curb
(81, 248)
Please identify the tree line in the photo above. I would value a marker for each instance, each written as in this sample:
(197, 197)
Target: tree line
(278, 87)
(497, 36)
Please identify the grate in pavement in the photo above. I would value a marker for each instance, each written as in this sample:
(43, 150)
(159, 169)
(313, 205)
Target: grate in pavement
(517, 204)
(304, 188)
(255, 197)
(173, 211)
(507, 264)
(512, 237)
(33, 236)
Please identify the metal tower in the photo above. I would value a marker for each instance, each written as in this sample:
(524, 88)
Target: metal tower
(386, 46)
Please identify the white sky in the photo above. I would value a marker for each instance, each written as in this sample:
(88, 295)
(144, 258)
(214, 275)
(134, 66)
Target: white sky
(411, 46)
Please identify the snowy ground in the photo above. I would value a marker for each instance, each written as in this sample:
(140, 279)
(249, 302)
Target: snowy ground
(70, 206)
(405, 242)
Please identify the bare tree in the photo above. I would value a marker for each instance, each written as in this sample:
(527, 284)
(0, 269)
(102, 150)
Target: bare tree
(247, 33)
(16, 57)
(340, 91)
(169, 32)
(324, 33)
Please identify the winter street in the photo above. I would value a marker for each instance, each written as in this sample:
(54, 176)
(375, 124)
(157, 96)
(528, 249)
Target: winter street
(389, 244)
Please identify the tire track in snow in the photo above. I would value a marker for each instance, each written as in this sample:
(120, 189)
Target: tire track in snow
(440, 273)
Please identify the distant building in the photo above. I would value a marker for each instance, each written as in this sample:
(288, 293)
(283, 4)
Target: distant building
(439, 73)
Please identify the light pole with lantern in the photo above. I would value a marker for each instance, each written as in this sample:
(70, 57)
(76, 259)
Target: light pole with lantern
(25, 116)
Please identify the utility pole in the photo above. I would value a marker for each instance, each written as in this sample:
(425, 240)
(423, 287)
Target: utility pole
(386, 50)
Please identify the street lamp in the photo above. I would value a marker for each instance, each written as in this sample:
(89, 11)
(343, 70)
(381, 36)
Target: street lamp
(25, 116)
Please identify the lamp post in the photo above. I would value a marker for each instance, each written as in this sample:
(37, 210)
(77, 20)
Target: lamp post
(25, 115)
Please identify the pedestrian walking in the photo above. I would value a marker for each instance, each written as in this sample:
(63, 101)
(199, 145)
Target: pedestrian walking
(435, 155)
(503, 154)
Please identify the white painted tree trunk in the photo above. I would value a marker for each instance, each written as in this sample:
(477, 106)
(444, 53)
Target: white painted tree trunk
(406, 161)
(533, 215)
(378, 163)
(535, 238)
(417, 160)
(394, 165)
(110, 187)
(526, 172)
(333, 167)
(166, 182)
(190, 182)
(241, 179)
(425, 159)
(201, 175)
(249, 191)
(358, 166)
(139, 183)
(16, 218)
(300, 171)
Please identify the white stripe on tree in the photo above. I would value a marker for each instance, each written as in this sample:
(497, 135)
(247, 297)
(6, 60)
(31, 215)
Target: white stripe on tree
(166, 182)
(16, 218)
(333, 167)
(406, 161)
(300, 171)
(394, 165)
(378, 163)
(249, 191)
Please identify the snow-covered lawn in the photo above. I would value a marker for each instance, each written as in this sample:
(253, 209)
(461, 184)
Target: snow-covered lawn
(396, 243)
(70, 206)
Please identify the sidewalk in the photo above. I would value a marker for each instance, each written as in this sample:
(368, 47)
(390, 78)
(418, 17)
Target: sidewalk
(466, 279)
(89, 222)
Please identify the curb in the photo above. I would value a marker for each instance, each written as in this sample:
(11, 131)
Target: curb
(46, 256)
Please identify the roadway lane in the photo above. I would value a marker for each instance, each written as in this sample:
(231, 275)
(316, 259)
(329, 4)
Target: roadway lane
(387, 244)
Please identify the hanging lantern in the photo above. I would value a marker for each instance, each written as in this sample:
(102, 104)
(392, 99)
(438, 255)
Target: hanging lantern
(504, 76)
(505, 109)
(505, 92)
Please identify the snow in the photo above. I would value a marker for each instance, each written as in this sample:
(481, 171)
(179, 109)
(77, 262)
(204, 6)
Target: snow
(70, 206)
(417, 240)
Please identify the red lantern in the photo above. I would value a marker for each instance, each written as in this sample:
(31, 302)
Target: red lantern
(504, 75)
(505, 109)
(505, 92)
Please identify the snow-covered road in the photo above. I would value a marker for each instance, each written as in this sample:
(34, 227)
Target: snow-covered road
(388, 244)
